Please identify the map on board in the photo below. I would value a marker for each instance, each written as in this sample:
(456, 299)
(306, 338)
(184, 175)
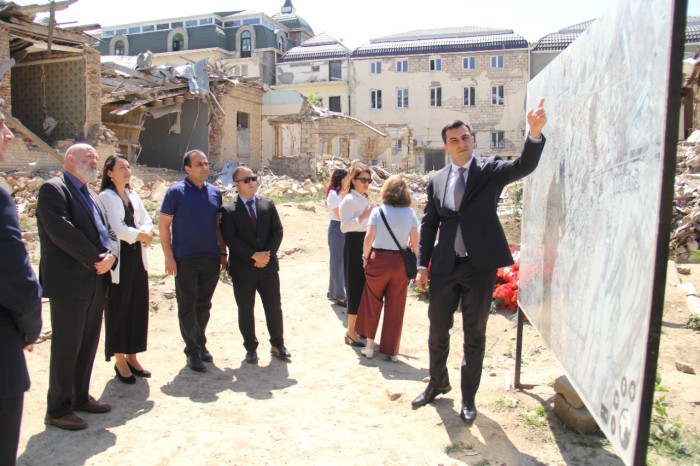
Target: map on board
(591, 209)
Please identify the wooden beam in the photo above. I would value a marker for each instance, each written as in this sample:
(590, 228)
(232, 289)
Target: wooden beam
(18, 26)
(117, 83)
(132, 72)
(30, 10)
(123, 125)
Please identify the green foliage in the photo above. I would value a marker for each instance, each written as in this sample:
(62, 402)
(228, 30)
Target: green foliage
(456, 447)
(156, 277)
(27, 223)
(694, 322)
(483, 463)
(297, 199)
(537, 418)
(314, 99)
(668, 438)
(592, 441)
(422, 295)
(695, 256)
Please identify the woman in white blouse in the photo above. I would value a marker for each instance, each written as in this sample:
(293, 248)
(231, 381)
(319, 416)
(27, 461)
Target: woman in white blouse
(336, 239)
(354, 214)
(126, 310)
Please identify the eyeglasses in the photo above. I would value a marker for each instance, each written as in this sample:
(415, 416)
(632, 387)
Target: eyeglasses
(247, 179)
(364, 180)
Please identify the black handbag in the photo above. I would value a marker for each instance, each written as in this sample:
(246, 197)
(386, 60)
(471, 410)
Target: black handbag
(409, 259)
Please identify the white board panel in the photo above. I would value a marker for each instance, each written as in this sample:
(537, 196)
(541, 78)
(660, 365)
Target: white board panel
(591, 209)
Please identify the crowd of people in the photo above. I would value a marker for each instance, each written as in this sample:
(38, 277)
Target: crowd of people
(93, 263)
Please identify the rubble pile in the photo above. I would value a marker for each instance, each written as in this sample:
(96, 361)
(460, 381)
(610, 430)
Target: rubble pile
(685, 233)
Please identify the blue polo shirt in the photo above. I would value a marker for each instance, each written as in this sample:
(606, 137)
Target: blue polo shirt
(194, 211)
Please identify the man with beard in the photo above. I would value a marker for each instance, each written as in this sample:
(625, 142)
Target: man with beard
(75, 258)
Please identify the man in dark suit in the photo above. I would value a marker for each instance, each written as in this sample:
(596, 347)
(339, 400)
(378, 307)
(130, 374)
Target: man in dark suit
(252, 230)
(20, 317)
(461, 206)
(75, 259)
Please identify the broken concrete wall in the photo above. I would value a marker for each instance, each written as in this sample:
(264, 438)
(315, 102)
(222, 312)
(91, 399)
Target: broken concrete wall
(93, 94)
(229, 139)
(337, 134)
(299, 168)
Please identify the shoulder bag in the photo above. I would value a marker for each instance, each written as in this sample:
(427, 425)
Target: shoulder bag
(409, 259)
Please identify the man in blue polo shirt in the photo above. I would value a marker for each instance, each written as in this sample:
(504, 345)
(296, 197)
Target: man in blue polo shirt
(194, 252)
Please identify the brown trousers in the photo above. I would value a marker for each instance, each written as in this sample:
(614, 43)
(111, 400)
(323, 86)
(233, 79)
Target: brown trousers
(386, 282)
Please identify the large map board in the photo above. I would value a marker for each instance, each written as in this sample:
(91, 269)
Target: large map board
(597, 209)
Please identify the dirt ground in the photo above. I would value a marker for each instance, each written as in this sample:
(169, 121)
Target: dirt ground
(330, 405)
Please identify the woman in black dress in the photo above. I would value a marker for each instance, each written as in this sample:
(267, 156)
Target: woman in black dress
(126, 310)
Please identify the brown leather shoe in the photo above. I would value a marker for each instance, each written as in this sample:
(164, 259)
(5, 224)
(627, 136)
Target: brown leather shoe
(68, 422)
(93, 406)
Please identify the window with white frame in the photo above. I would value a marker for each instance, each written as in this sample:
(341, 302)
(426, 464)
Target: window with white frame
(435, 64)
(469, 63)
(375, 99)
(375, 67)
(497, 96)
(469, 97)
(498, 140)
(402, 66)
(497, 61)
(402, 98)
(436, 96)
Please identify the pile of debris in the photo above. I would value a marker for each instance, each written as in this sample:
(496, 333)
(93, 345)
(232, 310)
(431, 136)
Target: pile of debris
(685, 233)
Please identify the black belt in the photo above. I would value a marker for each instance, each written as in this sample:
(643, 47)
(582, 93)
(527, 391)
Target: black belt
(388, 251)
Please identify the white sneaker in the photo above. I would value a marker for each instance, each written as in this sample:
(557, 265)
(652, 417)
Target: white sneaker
(367, 352)
(394, 358)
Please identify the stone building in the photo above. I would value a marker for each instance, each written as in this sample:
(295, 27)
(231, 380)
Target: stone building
(249, 42)
(423, 79)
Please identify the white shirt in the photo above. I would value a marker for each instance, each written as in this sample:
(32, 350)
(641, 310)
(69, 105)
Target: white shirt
(449, 199)
(351, 207)
(333, 202)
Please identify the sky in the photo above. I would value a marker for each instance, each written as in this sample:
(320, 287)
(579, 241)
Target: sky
(355, 22)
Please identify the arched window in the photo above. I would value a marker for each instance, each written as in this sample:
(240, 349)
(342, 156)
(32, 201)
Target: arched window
(119, 48)
(178, 42)
(245, 44)
(280, 43)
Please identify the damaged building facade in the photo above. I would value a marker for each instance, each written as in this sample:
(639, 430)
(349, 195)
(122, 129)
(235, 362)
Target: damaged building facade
(50, 87)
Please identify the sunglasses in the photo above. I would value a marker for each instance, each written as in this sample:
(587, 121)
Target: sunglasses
(364, 180)
(247, 179)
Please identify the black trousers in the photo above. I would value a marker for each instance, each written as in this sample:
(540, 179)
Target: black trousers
(475, 288)
(195, 283)
(76, 326)
(354, 271)
(268, 287)
(10, 421)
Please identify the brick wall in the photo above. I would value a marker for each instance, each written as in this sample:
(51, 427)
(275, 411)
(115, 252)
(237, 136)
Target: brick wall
(224, 134)
(93, 94)
(5, 88)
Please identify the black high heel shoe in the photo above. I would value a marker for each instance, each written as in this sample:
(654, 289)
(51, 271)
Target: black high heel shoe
(351, 342)
(141, 373)
(128, 380)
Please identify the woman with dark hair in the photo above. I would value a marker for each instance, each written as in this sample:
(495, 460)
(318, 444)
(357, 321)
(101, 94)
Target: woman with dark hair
(354, 213)
(387, 282)
(336, 240)
(126, 310)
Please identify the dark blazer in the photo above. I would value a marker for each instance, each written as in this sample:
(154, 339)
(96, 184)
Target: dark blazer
(20, 302)
(243, 240)
(70, 241)
(483, 234)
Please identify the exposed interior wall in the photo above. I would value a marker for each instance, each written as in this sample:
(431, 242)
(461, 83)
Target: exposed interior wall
(54, 85)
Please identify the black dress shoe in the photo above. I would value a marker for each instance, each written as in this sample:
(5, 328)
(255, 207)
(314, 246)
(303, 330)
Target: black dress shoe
(280, 352)
(468, 412)
(141, 373)
(429, 395)
(206, 355)
(251, 357)
(196, 364)
(128, 380)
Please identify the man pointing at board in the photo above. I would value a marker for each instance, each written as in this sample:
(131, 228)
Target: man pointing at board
(461, 206)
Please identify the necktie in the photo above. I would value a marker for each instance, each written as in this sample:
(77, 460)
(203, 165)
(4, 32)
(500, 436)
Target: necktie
(251, 211)
(460, 187)
(97, 217)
